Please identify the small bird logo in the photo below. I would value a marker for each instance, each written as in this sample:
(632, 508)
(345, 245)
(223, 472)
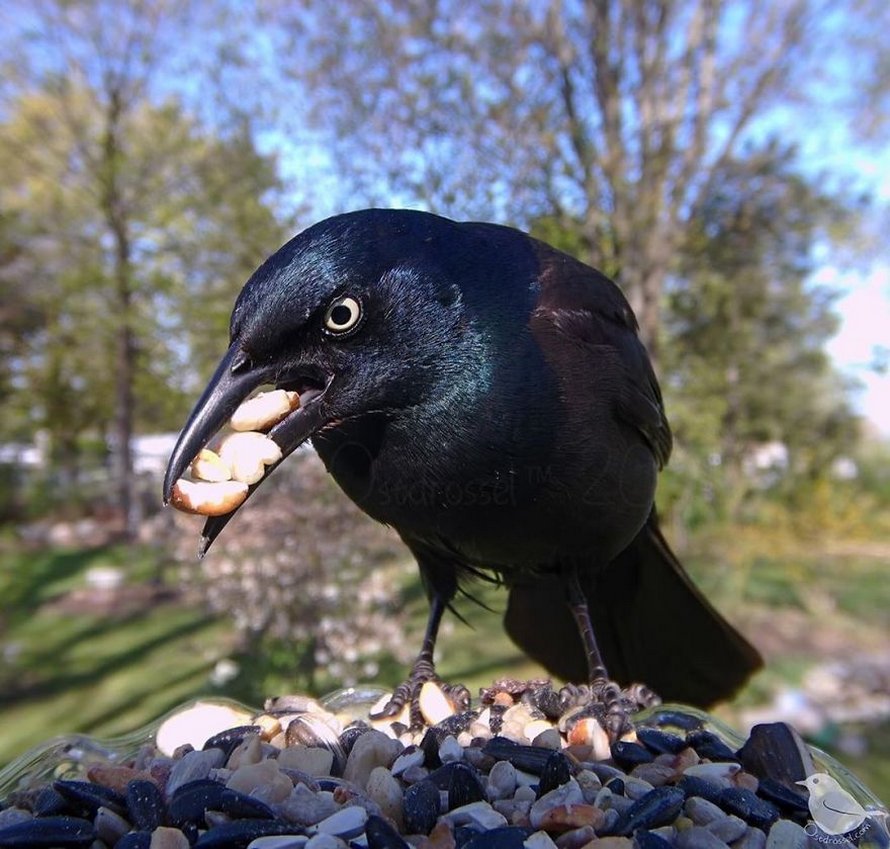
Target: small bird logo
(832, 808)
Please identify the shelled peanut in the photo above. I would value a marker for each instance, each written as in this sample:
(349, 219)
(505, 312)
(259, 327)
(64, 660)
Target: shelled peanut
(220, 480)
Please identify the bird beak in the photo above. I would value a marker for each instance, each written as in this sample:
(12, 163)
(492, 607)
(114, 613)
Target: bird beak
(230, 385)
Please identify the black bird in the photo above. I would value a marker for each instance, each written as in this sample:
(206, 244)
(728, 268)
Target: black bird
(488, 397)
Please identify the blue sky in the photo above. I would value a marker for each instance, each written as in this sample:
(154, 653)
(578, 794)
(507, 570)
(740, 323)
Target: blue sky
(864, 303)
(865, 314)
(827, 151)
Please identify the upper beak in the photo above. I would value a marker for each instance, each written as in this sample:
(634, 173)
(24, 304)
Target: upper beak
(230, 385)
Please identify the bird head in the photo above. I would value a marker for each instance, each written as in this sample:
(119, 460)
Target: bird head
(819, 782)
(358, 314)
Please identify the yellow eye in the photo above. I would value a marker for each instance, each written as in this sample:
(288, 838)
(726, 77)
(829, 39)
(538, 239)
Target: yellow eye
(342, 315)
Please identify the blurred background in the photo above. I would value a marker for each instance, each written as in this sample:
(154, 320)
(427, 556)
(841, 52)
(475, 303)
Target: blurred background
(726, 161)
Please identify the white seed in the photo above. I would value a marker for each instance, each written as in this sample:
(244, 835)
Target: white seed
(279, 841)
(348, 822)
(264, 410)
(450, 750)
(168, 838)
(588, 732)
(480, 814)
(247, 454)
(208, 499)
(434, 704)
(713, 771)
(208, 466)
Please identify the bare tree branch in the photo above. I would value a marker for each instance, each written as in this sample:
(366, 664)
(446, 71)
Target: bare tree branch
(616, 114)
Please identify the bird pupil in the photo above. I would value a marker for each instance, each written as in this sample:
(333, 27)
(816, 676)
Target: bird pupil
(341, 315)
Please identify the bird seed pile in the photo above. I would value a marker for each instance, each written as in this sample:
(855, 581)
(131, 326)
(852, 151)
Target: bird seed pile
(517, 772)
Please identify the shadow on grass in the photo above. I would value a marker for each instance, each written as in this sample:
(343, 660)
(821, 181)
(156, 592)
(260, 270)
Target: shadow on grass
(54, 664)
(148, 692)
(29, 580)
(64, 634)
(495, 667)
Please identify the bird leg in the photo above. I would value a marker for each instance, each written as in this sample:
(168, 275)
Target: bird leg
(423, 670)
(617, 704)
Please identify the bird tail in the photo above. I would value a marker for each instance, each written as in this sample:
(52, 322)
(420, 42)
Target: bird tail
(652, 626)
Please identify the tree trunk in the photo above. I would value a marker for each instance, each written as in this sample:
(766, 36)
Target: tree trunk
(732, 448)
(122, 274)
(126, 366)
(645, 300)
(642, 281)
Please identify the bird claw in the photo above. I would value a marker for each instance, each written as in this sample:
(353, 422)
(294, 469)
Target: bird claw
(408, 693)
(610, 704)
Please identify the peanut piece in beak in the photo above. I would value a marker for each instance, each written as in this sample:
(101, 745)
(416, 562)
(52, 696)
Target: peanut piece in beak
(264, 410)
(208, 466)
(247, 454)
(206, 498)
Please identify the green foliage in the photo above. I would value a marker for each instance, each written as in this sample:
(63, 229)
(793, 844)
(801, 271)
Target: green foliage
(873, 462)
(746, 364)
(73, 663)
(109, 671)
(873, 771)
(198, 209)
(131, 223)
(567, 235)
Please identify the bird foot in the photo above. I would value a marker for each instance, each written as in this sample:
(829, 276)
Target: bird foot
(409, 693)
(611, 705)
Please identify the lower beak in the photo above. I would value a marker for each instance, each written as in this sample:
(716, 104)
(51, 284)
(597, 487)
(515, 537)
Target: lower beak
(228, 388)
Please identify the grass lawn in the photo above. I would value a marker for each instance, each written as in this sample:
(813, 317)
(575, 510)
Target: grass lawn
(68, 668)
(68, 663)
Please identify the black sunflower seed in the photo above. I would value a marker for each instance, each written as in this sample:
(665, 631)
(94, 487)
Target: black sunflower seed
(777, 793)
(429, 745)
(421, 807)
(46, 832)
(660, 742)
(381, 835)
(531, 759)
(656, 808)
(88, 797)
(231, 738)
(464, 787)
(628, 754)
(192, 800)
(747, 805)
(709, 745)
(693, 785)
(505, 837)
(50, 803)
(135, 840)
(145, 805)
(649, 840)
(239, 833)
(557, 771)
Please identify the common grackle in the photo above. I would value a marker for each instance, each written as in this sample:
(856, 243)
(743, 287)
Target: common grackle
(488, 397)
